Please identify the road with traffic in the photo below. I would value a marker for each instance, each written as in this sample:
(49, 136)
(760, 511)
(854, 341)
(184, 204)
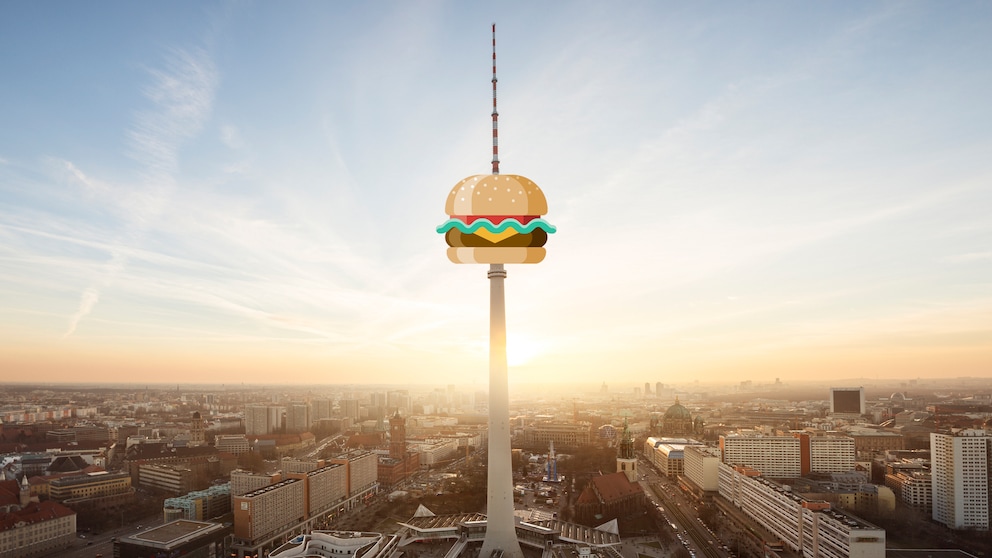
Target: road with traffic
(681, 515)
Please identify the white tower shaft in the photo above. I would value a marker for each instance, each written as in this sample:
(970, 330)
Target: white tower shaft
(501, 534)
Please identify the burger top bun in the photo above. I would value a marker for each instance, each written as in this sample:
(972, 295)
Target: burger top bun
(496, 194)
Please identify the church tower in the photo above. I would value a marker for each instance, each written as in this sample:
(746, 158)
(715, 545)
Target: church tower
(626, 460)
(397, 436)
(196, 430)
(25, 495)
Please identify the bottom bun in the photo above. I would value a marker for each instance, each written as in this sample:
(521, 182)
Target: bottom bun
(493, 255)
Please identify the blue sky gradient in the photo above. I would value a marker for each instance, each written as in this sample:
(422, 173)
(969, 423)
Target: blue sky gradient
(248, 191)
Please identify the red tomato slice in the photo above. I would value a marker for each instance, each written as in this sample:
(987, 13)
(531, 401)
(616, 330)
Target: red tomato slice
(496, 219)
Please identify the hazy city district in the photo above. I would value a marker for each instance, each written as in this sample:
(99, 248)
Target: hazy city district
(655, 470)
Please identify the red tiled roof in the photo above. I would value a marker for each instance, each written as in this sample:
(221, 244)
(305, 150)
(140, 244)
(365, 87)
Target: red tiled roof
(10, 493)
(34, 512)
(587, 496)
(615, 486)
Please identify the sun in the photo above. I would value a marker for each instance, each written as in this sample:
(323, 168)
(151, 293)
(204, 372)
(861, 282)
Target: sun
(521, 349)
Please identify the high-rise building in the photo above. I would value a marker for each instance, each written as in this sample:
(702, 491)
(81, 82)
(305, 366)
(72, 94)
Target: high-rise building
(298, 418)
(321, 409)
(398, 400)
(847, 401)
(350, 409)
(263, 419)
(961, 476)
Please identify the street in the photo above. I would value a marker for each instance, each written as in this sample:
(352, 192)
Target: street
(90, 545)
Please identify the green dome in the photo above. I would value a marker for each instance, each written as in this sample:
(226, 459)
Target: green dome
(678, 412)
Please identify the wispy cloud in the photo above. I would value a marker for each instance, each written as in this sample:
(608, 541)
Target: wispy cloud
(181, 93)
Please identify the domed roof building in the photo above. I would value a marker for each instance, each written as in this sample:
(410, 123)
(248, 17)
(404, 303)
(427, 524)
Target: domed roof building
(678, 421)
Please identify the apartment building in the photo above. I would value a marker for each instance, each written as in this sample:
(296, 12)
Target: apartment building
(788, 456)
(914, 489)
(269, 510)
(961, 475)
(775, 456)
(243, 482)
(809, 527)
(362, 471)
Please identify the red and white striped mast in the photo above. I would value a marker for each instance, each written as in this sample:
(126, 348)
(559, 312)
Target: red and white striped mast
(495, 113)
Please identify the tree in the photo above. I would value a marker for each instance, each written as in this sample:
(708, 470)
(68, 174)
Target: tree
(251, 461)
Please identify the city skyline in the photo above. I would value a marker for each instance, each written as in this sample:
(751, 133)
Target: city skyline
(225, 193)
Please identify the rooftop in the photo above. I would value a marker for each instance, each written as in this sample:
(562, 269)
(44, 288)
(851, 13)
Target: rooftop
(173, 533)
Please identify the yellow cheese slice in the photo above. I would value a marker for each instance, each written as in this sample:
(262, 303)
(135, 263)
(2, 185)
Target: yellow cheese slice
(496, 237)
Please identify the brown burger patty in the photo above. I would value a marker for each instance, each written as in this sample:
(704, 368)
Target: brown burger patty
(458, 239)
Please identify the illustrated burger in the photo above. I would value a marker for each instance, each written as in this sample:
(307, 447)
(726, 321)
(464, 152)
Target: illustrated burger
(496, 218)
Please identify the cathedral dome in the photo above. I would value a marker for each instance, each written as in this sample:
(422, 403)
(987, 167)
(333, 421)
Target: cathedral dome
(678, 412)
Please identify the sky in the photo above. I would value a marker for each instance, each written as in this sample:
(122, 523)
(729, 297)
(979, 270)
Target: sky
(247, 192)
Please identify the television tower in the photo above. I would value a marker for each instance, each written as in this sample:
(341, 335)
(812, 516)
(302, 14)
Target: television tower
(496, 219)
(501, 529)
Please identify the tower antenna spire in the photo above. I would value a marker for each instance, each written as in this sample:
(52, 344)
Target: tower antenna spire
(495, 114)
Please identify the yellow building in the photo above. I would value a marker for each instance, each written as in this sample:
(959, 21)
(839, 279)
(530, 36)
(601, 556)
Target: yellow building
(89, 485)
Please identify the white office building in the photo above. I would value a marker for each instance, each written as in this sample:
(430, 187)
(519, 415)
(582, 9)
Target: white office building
(702, 467)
